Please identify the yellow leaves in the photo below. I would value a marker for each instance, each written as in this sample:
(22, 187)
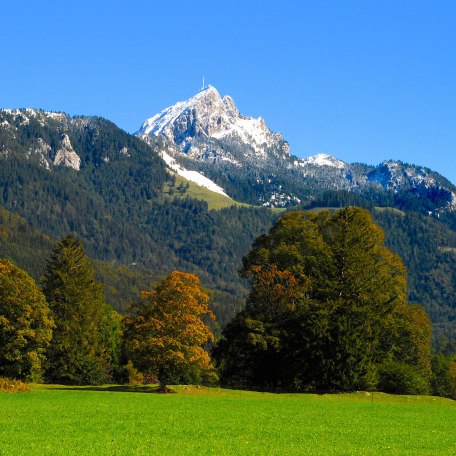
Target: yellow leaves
(167, 329)
(412, 330)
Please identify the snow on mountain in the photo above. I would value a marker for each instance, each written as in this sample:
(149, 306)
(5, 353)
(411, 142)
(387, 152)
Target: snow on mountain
(255, 164)
(207, 141)
(322, 160)
(190, 124)
(24, 115)
(192, 176)
(395, 175)
(14, 120)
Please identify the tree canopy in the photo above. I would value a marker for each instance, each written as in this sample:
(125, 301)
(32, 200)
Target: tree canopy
(165, 334)
(25, 324)
(325, 292)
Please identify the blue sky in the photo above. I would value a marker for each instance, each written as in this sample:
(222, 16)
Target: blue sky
(362, 80)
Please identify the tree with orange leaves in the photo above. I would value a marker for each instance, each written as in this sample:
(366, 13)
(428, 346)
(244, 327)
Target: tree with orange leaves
(165, 334)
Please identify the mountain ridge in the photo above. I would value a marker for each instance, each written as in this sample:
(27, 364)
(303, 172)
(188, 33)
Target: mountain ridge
(130, 210)
(251, 163)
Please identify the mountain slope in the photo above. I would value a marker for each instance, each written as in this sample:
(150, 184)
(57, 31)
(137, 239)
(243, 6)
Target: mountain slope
(122, 201)
(136, 217)
(207, 116)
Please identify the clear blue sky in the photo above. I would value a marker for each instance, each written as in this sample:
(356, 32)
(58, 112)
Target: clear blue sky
(362, 80)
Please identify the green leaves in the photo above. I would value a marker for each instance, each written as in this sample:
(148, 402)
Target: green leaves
(327, 289)
(25, 324)
(86, 342)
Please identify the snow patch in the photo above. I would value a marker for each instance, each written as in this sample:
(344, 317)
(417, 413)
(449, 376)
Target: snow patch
(192, 176)
(208, 115)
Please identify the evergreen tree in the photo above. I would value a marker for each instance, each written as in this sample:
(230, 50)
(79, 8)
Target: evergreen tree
(85, 344)
(25, 324)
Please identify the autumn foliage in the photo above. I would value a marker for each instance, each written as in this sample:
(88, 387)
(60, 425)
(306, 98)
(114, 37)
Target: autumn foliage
(26, 324)
(165, 334)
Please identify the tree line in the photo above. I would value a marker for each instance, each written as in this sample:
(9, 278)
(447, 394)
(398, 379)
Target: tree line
(64, 331)
(327, 311)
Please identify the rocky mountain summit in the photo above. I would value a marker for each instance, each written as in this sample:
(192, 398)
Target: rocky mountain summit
(209, 128)
(208, 134)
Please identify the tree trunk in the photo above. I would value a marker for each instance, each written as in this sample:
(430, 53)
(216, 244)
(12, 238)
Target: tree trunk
(162, 387)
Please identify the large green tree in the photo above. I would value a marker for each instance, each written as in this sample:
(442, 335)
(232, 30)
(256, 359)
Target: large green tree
(25, 324)
(325, 326)
(165, 333)
(86, 342)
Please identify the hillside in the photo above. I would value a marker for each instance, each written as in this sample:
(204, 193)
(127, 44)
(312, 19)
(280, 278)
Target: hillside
(122, 201)
(427, 248)
(139, 220)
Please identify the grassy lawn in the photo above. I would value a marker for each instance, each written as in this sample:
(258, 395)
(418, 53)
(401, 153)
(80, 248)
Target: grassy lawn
(124, 421)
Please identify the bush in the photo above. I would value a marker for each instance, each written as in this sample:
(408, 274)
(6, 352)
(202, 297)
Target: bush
(443, 381)
(400, 378)
(132, 376)
(13, 386)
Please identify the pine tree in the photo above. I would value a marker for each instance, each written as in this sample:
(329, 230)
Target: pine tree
(85, 344)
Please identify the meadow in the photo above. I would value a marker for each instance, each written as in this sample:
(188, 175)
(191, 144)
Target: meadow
(211, 421)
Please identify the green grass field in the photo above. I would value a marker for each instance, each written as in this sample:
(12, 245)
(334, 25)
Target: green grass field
(122, 421)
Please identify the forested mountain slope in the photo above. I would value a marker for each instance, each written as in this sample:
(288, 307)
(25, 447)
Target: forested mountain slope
(428, 249)
(60, 174)
(118, 201)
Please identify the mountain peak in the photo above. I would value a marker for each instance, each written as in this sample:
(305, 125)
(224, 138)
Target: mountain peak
(199, 126)
(159, 124)
(323, 160)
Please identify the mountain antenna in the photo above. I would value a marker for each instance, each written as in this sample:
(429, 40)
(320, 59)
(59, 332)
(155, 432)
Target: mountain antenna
(203, 84)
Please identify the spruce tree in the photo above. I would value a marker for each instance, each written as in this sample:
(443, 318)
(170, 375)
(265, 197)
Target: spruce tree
(86, 338)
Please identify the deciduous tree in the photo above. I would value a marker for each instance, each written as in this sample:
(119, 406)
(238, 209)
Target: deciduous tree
(165, 334)
(327, 328)
(25, 324)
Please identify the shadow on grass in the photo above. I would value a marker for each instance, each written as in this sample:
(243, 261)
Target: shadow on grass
(154, 389)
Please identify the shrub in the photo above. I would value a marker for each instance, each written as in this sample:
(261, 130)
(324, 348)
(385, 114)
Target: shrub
(400, 378)
(13, 386)
(443, 381)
